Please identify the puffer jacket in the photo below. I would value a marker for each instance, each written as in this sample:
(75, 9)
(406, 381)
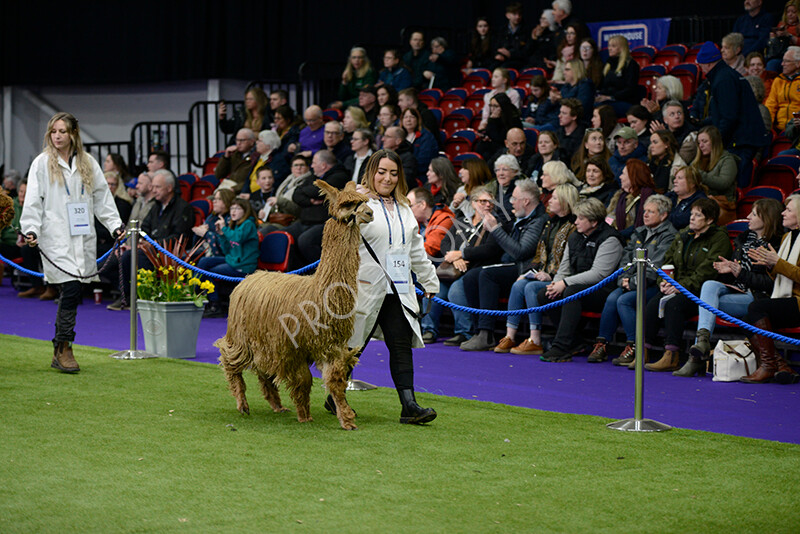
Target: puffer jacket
(783, 100)
(693, 258)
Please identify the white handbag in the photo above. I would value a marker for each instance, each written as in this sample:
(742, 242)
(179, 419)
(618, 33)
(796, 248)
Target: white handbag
(733, 359)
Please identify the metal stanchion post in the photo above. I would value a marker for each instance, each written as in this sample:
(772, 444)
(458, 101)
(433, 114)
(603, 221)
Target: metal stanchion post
(132, 353)
(637, 424)
(359, 385)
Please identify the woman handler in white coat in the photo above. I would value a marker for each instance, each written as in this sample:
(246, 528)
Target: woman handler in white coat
(66, 190)
(394, 238)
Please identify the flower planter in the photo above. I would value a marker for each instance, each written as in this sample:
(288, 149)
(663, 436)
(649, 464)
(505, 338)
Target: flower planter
(170, 328)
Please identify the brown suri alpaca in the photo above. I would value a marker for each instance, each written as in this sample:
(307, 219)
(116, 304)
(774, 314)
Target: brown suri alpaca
(6, 209)
(281, 323)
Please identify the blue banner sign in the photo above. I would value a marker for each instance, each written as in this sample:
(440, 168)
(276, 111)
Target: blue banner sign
(651, 32)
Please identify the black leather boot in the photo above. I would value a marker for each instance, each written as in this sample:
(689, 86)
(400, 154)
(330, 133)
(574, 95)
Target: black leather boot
(412, 412)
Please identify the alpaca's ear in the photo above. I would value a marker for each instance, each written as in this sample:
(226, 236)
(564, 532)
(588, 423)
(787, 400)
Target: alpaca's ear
(327, 189)
(350, 186)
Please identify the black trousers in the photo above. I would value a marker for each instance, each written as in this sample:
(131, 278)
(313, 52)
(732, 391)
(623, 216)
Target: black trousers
(397, 334)
(32, 260)
(67, 311)
(677, 311)
(782, 313)
(484, 287)
(568, 316)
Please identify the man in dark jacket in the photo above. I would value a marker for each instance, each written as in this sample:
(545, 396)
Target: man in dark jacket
(628, 147)
(335, 142)
(168, 220)
(235, 166)
(395, 139)
(307, 231)
(416, 60)
(516, 145)
(755, 26)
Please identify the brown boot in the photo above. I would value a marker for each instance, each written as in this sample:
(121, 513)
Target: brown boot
(64, 359)
(35, 291)
(49, 294)
(668, 362)
(764, 348)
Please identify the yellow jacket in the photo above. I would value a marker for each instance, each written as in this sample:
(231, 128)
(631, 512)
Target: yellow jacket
(783, 100)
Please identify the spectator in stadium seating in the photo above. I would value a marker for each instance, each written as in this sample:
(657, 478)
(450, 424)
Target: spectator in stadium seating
(692, 253)
(620, 77)
(354, 118)
(547, 150)
(407, 98)
(284, 210)
(387, 95)
(333, 138)
(539, 271)
(503, 116)
(686, 187)
(533, 112)
(443, 65)
(604, 117)
(220, 208)
(473, 173)
(501, 84)
(124, 205)
(394, 73)
(655, 236)
(757, 85)
(233, 170)
(788, 25)
(144, 198)
(507, 172)
(562, 13)
(542, 45)
(784, 97)
(566, 51)
(726, 101)
(388, 115)
(263, 200)
(732, 52)
(156, 161)
(509, 52)
(368, 103)
(239, 242)
(416, 60)
(356, 75)
(626, 207)
(594, 144)
(739, 281)
(442, 180)
(717, 169)
(664, 159)
(485, 286)
(480, 46)
(667, 88)
(311, 138)
(674, 120)
(277, 98)
(307, 230)
(470, 248)
(591, 60)
(593, 252)
(555, 173)
(781, 310)
(577, 86)
(516, 144)
(287, 126)
(114, 162)
(171, 218)
(395, 139)
(600, 181)
(11, 179)
(756, 66)
(570, 130)
(639, 119)
(755, 26)
(253, 116)
(435, 219)
(362, 144)
(628, 148)
(425, 146)
(268, 147)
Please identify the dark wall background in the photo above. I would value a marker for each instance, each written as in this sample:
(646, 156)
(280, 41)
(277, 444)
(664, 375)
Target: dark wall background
(89, 42)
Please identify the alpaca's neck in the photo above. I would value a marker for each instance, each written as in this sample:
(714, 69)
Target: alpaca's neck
(340, 259)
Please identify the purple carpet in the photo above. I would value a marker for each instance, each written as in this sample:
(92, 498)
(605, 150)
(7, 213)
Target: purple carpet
(758, 411)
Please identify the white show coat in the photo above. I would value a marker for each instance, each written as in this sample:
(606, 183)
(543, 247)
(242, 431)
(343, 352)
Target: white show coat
(45, 214)
(372, 284)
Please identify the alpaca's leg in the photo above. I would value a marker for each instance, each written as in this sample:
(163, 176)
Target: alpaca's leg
(271, 392)
(334, 375)
(300, 391)
(233, 374)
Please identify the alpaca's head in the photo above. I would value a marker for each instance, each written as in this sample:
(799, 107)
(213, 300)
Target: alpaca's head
(346, 205)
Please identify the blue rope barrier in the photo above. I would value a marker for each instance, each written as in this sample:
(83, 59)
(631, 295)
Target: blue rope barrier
(22, 269)
(719, 313)
(504, 313)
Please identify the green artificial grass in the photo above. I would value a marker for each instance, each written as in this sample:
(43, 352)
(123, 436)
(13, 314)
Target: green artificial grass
(158, 446)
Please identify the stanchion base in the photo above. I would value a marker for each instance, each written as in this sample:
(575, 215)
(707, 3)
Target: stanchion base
(639, 425)
(132, 355)
(359, 385)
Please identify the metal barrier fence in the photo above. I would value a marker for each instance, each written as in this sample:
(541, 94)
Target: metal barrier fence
(173, 137)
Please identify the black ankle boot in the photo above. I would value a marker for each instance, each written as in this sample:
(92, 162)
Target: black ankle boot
(412, 412)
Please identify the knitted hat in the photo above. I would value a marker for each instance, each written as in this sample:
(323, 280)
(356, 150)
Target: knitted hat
(709, 53)
(626, 132)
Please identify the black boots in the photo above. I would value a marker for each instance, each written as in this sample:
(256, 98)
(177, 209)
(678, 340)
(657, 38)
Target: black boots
(693, 366)
(412, 412)
(702, 348)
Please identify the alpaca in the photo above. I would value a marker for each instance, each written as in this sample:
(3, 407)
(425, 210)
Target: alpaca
(280, 323)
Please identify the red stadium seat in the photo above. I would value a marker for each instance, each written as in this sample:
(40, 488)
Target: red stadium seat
(459, 119)
(202, 189)
(780, 176)
(475, 101)
(273, 251)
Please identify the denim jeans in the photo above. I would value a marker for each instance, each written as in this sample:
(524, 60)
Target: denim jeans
(621, 306)
(454, 292)
(723, 298)
(216, 264)
(523, 295)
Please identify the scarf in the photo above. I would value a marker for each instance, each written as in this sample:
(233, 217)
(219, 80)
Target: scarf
(791, 253)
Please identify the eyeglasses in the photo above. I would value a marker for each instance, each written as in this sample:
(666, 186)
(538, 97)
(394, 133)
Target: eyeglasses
(356, 138)
(495, 106)
(588, 130)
